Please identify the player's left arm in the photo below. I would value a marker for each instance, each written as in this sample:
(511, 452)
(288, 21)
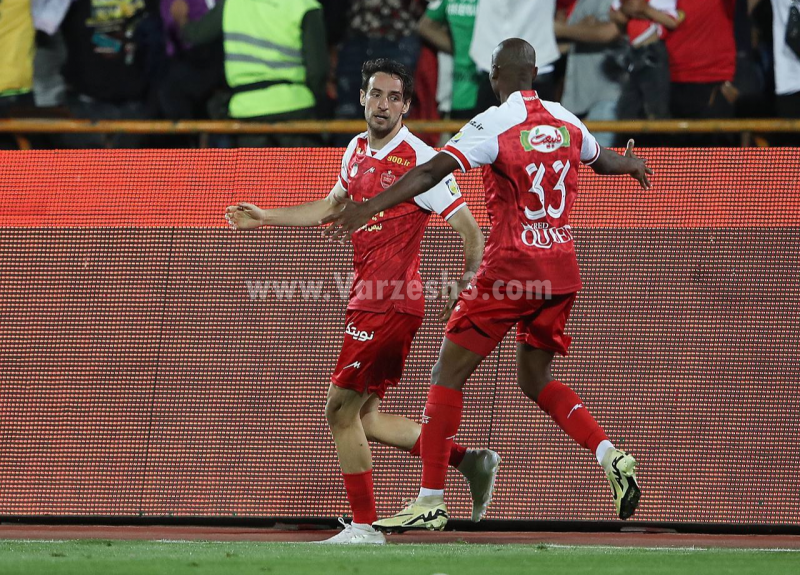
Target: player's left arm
(464, 223)
(415, 182)
(610, 163)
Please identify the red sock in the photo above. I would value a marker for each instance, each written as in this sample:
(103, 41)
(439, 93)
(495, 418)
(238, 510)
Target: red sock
(440, 422)
(457, 452)
(361, 496)
(567, 410)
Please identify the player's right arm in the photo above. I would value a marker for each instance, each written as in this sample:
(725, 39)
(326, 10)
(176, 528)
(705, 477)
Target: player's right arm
(244, 216)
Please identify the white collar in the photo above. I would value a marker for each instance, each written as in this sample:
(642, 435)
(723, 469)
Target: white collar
(390, 145)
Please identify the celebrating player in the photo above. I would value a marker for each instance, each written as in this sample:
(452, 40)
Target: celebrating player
(386, 304)
(530, 150)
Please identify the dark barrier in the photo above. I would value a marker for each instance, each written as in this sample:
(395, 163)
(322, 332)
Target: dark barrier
(153, 362)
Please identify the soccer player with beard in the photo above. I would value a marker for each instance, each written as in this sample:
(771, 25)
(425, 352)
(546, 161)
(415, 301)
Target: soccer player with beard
(386, 304)
(530, 151)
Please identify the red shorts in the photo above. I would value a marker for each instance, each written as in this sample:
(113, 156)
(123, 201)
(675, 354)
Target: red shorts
(374, 350)
(484, 314)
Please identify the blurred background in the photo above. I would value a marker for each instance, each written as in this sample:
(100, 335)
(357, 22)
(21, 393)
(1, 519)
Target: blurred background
(294, 60)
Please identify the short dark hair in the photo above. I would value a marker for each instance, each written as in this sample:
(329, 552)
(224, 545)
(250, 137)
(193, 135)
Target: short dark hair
(372, 67)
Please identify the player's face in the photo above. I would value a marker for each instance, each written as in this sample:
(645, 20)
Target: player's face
(383, 103)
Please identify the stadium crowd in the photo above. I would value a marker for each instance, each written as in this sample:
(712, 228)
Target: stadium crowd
(257, 60)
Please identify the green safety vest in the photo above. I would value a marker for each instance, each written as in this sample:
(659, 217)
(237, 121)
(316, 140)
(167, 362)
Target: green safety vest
(263, 42)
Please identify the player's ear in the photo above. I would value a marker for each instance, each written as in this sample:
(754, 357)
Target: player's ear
(406, 106)
(363, 97)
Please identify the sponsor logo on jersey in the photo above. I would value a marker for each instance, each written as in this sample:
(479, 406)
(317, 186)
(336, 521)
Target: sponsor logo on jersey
(452, 186)
(370, 171)
(357, 334)
(542, 237)
(387, 179)
(544, 139)
(399, 161)
(476, 125)
(457, 137)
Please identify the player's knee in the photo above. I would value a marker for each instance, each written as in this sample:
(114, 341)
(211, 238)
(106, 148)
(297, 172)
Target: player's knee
(336, 413)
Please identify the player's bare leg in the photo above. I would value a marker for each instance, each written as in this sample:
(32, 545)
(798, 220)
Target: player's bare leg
(478, 466)
(440, 422)
(572, 415)
(342, 411)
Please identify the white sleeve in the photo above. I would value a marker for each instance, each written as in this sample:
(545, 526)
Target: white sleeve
(668, 7)
(444, 198)
(476, 143)
(590, 149)
(344, 177)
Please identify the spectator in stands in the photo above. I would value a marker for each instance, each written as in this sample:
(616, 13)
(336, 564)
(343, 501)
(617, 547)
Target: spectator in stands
(702, 66)
(375, 29)
(646, 93)
(594, 77)
(193, 73)
(276, 60)
(17, 50)
(786, 51)
(448, 25)
(532, 20)
(106, 67)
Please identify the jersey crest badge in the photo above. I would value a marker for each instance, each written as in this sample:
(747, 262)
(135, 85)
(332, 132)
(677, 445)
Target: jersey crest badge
(387, 179)
(544, 139)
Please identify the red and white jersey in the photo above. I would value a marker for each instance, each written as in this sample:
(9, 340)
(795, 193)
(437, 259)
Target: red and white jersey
(530, 151)
(386, 251)
(640, 30)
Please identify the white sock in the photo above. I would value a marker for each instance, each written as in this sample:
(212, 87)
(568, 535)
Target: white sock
(362, 526)
(425, 492)
(602, 449)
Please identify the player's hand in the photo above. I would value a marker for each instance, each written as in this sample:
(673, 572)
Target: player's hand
(244, 216)
(352, 217)
(450, 292)
(640, 170)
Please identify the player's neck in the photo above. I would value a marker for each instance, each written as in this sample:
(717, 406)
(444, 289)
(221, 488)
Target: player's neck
(522, 85)
(378, 141)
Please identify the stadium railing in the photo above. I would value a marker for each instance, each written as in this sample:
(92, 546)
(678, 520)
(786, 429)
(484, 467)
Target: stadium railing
(745, 128)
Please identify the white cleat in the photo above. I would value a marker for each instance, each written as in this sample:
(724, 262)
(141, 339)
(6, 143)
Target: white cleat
(480, 468)
(354, 534)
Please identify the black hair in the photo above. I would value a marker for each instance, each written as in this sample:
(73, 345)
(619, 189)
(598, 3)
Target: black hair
(396, 69)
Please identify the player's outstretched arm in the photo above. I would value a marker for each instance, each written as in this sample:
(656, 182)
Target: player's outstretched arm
(417, 181)
(244, 216)
(610, 163)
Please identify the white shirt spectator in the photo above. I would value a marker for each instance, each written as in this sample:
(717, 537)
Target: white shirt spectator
(787, 64)
(531, 20)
